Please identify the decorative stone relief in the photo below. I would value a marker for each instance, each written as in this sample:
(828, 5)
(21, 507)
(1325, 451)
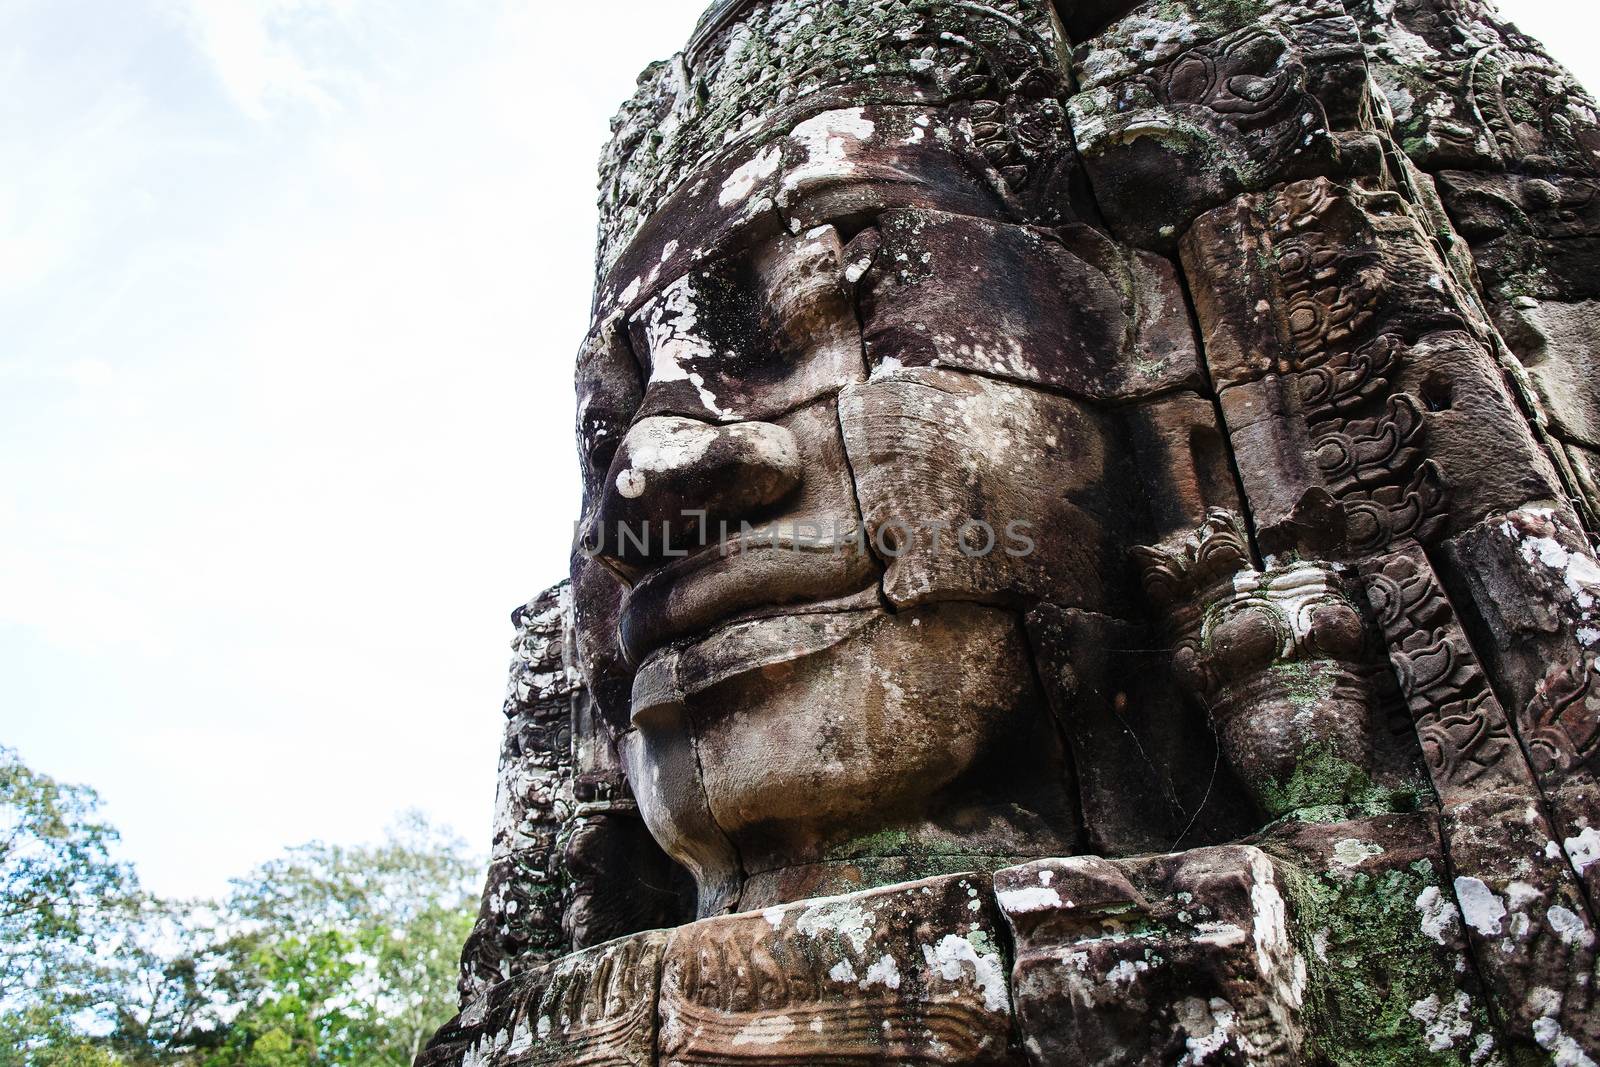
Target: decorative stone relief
(1275, 657)
(1352, 368)
(1178, 113)
(594, 1006)
(894, 397)
(910, 975)
(1530, 926)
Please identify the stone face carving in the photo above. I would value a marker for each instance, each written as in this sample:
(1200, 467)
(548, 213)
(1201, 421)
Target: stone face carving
(520, 922)
(1086, 553)
(1092, 318)
(805, 794)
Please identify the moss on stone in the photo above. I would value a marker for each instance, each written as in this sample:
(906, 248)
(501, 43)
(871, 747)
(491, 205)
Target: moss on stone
(1306, 684)
(1326, 787)
(772, 58)
(917, 857)
(1223, 15)
(1371, 971)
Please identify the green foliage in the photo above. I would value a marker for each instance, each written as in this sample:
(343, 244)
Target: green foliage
(346, 955)
(326, 955)
(63, 901)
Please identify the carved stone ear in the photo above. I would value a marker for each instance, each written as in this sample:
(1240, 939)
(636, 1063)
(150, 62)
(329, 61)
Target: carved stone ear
(1182, 568)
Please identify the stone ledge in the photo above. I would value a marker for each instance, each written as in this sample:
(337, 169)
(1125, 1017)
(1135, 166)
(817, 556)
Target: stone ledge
(1237, 954)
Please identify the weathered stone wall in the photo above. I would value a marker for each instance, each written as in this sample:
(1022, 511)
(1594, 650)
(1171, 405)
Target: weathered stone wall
(570, 862)
(519, 923)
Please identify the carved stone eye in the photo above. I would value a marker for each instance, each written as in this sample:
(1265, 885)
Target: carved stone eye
(1247, 640)
(1191, 79)
(1336, 631)
(600, 445)
(1253, 88)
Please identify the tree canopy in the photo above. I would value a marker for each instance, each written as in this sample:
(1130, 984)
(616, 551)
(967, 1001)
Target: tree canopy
(328, 954)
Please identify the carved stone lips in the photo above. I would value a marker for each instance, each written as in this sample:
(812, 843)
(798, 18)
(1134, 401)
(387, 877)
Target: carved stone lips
(668, 675)
(762, 572)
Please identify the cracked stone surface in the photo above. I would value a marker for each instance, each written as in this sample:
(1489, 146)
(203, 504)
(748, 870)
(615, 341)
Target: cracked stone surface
(1087, 553)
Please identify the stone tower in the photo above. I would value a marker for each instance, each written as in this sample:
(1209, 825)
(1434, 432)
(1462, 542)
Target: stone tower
(1086, 554)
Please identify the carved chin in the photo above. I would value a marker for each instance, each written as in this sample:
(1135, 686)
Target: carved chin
(1296, 716)
(800, 727)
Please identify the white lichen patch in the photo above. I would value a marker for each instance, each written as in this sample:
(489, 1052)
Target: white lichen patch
(672, 334)
(1573, 570)
(1140, 40)
(1275, 956)
(1563, 1048)
(631, 484)
(1444, 1025)
(1126, 971)
(1209, 1026)
(769, 1030)
(1400, 42)
(843, 920)
(1570, 927)
(1584, 849)
(1353, 852)
(1031, 899)
(1440, 917)
(954, 955)
(1220, 934)
(826, 140)
(521, 1039)
(738, 186)
(884, 972)
(1481, 907)
(1271, 916)
(1396, 93)
(1521, 895)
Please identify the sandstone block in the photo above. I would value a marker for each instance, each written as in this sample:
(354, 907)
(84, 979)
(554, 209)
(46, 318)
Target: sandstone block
(915, 974)
(596, 1006)
(1065, 309)
(1184, 958)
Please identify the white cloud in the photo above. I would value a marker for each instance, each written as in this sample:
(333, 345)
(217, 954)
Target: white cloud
(262, 50)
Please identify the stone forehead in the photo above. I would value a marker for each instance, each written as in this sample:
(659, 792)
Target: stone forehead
(755, 68)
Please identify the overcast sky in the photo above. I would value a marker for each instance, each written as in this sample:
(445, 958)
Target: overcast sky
(289, 294)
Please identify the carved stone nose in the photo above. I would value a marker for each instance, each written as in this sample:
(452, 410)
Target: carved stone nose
(675, 481)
